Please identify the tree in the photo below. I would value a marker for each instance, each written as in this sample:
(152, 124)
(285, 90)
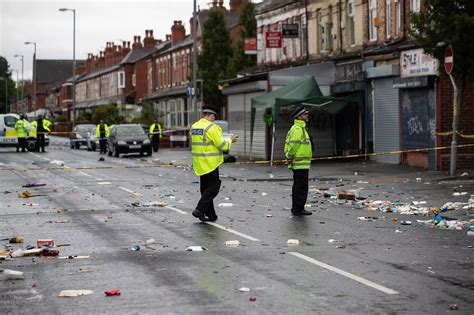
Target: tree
(215, 56)
(108, 113)
(148, 115)
(447, 22)
(247, 21)
(8, 92)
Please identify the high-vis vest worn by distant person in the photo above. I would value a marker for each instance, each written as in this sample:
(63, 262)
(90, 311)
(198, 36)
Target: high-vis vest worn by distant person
(207, 146)
(155, 129)
(298, 146)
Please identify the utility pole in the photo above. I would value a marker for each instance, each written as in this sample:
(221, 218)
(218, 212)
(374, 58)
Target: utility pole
(22, 79)
(73, 63)
(33, 99)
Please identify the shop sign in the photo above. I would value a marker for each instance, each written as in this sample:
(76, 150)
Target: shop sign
(290, 30)
(273, 39)
(415, 62)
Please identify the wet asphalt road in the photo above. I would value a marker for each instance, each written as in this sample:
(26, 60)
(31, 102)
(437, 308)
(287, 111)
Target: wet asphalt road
(421, 270)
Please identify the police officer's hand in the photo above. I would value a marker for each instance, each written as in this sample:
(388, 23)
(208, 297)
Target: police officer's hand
(234, 138)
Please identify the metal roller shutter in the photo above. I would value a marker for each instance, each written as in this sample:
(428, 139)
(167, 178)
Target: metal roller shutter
(386, 120)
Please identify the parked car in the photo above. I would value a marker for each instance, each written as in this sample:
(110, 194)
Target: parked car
(228, 158)
(78, 135)
(92, 142)
(129, 138)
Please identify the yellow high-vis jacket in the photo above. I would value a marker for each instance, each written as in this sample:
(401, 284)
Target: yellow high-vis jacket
(298, 146)
(97, 131)
(207, 146)
(152, 130)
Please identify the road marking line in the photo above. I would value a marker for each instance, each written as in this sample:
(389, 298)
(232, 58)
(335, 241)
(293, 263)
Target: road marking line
(345, 273)
(47, 159)
(97, 178)
(85, 174)
(253, 239)
(103, 183)
(177, 210)
(130, 191)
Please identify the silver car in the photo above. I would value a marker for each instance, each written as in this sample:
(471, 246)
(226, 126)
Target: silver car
(91, 140)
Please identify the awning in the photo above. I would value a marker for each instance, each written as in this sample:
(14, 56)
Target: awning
(302, 92)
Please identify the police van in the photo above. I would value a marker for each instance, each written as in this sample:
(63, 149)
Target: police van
(8, 136)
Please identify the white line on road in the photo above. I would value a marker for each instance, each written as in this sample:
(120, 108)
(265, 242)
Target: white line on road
(177, 210)
(253, 239)
(130, 191)
(345, 273)
(47, 159)
(85, 174)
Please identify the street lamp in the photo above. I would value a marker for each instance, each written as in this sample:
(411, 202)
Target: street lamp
(34, 79)
(16, 86)
(22, 80)
(73, 62)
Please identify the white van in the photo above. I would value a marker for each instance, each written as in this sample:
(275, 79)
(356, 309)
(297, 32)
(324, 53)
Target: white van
(8, 134)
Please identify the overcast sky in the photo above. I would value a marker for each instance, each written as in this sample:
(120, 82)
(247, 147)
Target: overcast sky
(97, 22)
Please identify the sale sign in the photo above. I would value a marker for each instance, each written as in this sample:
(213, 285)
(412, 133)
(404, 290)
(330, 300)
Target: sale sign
(273, 39)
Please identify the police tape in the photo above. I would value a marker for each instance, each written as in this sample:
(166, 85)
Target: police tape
(173, 165)
(449, 133)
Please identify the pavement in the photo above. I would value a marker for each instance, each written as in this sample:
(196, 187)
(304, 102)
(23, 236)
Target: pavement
(342, 265)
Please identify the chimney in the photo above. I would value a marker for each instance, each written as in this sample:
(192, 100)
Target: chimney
(136, 42)
(168, 37)
(109, 54)
(235, 6)
(101, 62)
(178, 32)
(118, 54)
(89, 63)
(149, 41)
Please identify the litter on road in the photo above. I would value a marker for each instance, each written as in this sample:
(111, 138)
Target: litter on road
(293, 242)
(225, 204)
(113, 292)
(234, 243)
(8, 274)
(74, 293)
(244, 289)
(34, 184)
(196, 248)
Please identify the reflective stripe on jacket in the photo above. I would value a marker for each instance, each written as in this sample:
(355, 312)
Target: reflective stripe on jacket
(298, 146)
(207, 146)
(97, 131)
(152, 129)
(21, 128)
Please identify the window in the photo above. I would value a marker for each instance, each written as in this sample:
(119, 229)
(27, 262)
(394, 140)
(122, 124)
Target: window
(415, 5)
(388, 19)
(328, 39)
(172, 109)
(398, 21)
(134, 79)
(372, 19)
(121, 80)
(10, 121)
(319, 19)
(351, 13)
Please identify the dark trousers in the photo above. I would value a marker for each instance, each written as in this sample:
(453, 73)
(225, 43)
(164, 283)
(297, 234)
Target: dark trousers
(155, 139)
(21, 145)
(103, 145)
(300, 190)
(210, 185)
(40, 139)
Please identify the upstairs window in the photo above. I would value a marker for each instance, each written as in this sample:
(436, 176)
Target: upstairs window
(398, 19)
(120, 80)
(388, 19)
(351, 22)
(373, 20)
(415, 6)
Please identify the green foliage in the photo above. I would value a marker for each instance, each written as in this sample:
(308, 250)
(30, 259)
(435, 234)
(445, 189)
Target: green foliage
(216, 53)
(108, 113)
(8, 92)
(84, 118)
(450, 22)
(247, 21)
(148, 116)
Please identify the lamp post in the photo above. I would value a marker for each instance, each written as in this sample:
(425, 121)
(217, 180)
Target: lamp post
(22, 80)
(33, 99)
(73, 62)
(16, 85)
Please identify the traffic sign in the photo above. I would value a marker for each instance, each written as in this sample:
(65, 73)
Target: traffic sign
(448, 59)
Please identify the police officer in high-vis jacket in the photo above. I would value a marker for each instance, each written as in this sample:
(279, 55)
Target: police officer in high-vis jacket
(299, 151)
(155, 135)
(21, 128)
(102, 133)
(207, 153)
(41, 126)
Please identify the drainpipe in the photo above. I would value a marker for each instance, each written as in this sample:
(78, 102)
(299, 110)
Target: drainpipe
(340, 26)
(306, 29)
